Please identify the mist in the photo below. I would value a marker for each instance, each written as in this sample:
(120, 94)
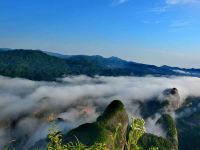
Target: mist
(26, 106)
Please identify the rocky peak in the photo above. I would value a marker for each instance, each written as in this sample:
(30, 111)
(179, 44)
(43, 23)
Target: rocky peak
(113, 115)
(171, 91)
(104, 128)
(172, 99)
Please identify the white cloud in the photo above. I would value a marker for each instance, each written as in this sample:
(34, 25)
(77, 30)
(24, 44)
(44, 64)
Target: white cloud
(176, 2)
(77, 100)
(118, 2)
(169, 3)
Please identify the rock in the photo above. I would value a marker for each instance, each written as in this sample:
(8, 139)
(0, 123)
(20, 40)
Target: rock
(171, 98)
(168, 101)
(104, 128)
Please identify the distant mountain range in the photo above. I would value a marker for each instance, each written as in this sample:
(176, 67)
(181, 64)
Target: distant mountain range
(41, 65)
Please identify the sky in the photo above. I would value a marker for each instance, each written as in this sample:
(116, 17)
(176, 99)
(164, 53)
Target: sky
(159, 32)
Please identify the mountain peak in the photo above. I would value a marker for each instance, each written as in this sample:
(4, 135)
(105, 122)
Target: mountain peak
(105, 127)
(115, 58)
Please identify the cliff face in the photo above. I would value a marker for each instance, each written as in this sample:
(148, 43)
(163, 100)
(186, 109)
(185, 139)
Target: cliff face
(104, 128)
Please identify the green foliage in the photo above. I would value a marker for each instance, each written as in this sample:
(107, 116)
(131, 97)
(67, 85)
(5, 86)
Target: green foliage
(34, 65)
(37, 65)
(55, 138)
(137, 130)
(113, 120)
(153, 148)
(169, 126)
(84, 65)
(114, 137)
(94, 132)
(55, 143)
(115, 107)
(188, 125)
(149, 140)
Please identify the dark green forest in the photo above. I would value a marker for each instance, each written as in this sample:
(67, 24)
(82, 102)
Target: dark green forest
(38, 65)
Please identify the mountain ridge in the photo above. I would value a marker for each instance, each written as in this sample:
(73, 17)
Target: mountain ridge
(111, 57)
(42, 65)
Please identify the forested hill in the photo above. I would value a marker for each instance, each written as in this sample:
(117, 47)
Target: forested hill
(34, 65)
(39, 65)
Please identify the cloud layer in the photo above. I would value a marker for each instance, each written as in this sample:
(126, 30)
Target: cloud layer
(25, 105)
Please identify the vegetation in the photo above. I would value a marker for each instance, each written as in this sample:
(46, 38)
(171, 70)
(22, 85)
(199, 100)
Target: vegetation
(188, 125)
(37, 65)
(110, 132)
(170, 142)
(104, 129)
(149, 140)
(34, 65)
(169, 126)
(136, 131)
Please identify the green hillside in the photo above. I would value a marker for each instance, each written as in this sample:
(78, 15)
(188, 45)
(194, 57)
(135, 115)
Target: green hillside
(34, 65)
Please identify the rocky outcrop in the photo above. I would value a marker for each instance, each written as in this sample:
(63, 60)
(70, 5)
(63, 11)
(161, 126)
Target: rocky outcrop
(171, 99)
(168, 101)
(104, 128)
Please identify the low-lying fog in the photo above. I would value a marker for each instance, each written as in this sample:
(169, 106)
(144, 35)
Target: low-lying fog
(25, 105)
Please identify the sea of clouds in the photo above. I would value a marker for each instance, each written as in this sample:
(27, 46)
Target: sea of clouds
(26, 105)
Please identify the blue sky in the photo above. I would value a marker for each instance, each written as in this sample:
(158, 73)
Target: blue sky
(148, 31)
